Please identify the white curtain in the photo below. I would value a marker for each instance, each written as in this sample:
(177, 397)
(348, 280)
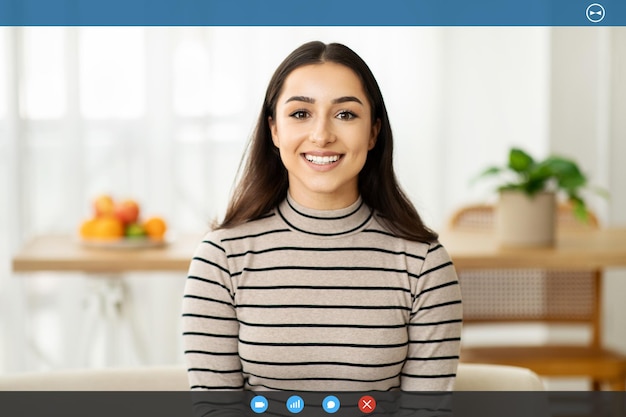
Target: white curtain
(162, 115)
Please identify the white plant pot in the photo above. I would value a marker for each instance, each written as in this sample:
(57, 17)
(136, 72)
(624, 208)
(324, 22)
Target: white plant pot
(526, 221)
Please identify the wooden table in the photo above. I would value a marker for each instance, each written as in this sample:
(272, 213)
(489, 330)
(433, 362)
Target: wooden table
(589, 249)
(469, 249)
(66, 253)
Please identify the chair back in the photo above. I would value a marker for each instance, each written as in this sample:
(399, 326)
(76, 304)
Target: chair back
(529, 295)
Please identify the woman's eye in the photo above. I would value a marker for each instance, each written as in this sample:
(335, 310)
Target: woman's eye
(300, 114)
(346, 115)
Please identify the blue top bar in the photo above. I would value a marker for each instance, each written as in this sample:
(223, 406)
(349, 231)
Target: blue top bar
(312, 13)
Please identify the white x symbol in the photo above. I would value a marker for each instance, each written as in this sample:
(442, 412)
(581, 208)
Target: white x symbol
(367, 404)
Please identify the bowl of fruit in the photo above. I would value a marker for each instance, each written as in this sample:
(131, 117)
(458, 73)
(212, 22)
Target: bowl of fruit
(119, 224)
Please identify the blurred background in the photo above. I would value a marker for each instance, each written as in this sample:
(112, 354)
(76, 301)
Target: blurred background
(162, 115)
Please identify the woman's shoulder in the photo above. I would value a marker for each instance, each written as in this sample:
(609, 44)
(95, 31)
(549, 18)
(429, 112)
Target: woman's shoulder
(380, 227)
(253, 227)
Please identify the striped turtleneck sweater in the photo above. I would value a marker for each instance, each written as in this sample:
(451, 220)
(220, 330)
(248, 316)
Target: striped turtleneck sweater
(309, 300)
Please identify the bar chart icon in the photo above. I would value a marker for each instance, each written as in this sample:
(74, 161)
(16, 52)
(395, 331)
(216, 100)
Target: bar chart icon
(295, 404)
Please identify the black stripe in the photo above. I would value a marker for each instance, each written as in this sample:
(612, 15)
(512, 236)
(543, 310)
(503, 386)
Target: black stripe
(197, 258)
(324, 268)
(321, 306)
(217, 387)
(447, 303)
(434, 248)
(437, 323)
(310, 378)
(215, 245)
(448, 339)
(274, 388)
(317, 249)
(349, 345)
(330, 326)
(437, 287)
(434, 358)
(428, 376)
(324, 234)
(214, 371)
(230, 239)
(324, 218)
(321, 287)
(204, 352)
(218, 335)
(348, 364)
(202, 316)
(197, 297)
(435, 268)
(208, 281)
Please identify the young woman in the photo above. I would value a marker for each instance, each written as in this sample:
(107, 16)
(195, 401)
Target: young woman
(322, 276)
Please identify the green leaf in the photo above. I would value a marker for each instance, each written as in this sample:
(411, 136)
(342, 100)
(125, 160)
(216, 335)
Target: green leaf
(580, 209)
(572, 183)
(534, 186)
(491, 171)
(520, 161)
(539, 175)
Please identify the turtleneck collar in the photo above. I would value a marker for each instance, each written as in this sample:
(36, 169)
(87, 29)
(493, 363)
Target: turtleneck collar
(325, 223)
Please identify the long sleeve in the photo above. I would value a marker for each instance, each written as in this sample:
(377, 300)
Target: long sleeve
(210, 326)
(434, 327)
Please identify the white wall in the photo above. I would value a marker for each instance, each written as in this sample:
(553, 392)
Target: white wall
(587, 123)
(495, 95)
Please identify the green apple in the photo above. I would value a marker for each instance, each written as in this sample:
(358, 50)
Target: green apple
(135, 230)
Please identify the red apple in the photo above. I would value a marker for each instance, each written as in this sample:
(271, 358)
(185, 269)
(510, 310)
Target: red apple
(127, 211)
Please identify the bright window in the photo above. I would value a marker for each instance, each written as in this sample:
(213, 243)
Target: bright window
(112, 72)
(43, 91)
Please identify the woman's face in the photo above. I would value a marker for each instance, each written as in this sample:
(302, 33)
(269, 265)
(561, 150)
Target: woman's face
(323, 131)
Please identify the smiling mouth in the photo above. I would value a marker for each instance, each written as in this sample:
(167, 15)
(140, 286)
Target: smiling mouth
(322, 160)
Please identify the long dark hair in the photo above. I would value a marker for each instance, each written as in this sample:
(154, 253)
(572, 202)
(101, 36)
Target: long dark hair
(264, 182)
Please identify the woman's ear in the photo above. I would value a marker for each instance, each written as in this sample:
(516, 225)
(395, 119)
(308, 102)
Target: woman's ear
(374, 134)
(273, 131)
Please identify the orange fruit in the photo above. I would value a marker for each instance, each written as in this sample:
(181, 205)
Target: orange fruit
(108, 228)
(155, 227)
(87, 229)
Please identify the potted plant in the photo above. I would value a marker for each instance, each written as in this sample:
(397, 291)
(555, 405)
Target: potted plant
(526, 209)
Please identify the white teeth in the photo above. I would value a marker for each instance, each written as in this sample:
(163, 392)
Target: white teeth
(321, 160)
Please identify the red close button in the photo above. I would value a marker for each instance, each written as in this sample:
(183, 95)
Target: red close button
(367, 404)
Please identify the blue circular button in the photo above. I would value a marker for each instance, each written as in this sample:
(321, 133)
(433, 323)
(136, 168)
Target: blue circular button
(331, 404)
(295, 404)
(595, 12)
(259, 404)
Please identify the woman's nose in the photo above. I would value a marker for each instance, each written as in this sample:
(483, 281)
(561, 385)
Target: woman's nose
(322, 133)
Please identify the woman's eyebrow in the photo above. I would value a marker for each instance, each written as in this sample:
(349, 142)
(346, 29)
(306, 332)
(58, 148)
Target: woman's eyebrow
(300, 98)
(311, 100)
(347, 99)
